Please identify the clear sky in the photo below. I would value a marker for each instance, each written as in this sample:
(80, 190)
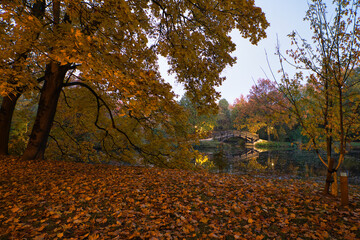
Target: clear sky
(284, 16)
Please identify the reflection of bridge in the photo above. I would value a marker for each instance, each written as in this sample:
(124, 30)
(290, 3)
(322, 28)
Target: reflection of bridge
(244, 155)
(249, 153)
(224, 135)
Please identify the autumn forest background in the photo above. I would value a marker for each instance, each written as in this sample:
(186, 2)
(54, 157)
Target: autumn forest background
(94, 143)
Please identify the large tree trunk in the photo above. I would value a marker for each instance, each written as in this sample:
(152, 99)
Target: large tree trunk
(6, 114)
(50, 93)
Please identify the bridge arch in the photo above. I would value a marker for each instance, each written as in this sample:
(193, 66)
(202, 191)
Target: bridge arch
(224, 135)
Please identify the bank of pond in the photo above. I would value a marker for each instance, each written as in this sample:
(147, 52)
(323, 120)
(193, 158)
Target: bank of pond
(282, 160)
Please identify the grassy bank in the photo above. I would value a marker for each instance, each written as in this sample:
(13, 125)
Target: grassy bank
(205, 144)
(63, 200)
(355, 144)
(274, 145)
(263, 144)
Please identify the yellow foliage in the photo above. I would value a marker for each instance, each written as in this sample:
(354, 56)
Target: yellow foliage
(110, 48)
(201, 160)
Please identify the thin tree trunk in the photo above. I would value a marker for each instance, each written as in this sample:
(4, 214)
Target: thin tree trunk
(6, 114)
(50, 93)
(328, 130)
(329, 175)
(334, 189)
(334, 185)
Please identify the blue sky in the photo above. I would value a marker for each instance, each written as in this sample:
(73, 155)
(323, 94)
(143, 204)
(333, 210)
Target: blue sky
(284, 16)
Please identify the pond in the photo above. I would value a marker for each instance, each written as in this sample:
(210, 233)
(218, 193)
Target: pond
(287, 163)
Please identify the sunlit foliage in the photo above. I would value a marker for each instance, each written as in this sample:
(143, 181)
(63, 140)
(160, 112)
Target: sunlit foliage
(109, 49)
(264, 108)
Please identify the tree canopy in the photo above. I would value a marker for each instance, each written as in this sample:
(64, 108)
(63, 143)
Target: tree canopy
(110, 48)
(223, 119)
(264, 107)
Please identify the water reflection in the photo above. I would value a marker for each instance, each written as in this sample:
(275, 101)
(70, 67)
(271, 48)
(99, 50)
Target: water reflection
(290, 163)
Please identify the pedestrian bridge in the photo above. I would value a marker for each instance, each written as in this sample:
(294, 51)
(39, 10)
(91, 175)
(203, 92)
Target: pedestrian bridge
(225, 135)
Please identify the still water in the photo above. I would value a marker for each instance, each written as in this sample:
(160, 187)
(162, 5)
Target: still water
(293, 163)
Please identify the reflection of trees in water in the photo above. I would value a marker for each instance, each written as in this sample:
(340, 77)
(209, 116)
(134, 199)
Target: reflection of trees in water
(293, 170)
(220, 160)
(309, 170)
(253, 164)
(248, 164)
(297, 163)
(271, 163)
(279, 162)
(293, 162)
(352, 162)
(247, 160)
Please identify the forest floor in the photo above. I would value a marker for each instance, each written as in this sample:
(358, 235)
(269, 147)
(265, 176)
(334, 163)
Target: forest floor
(65, 200)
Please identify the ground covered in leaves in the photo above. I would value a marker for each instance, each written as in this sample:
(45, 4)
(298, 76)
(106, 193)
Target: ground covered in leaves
(63, 200)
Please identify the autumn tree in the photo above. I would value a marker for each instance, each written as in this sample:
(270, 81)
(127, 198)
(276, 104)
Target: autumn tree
(327, 107)
(223, 118)
(263, 108)
(202, 123)
(110, 49)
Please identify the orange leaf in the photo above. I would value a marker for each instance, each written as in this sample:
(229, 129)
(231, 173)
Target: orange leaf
(93, 237)
(259, 237)
(204, 220)
(354, 228)
(40, 228)
(15, 209)
(40, 237)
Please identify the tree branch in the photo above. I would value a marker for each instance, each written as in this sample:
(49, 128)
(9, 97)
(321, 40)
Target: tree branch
(101, 102)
